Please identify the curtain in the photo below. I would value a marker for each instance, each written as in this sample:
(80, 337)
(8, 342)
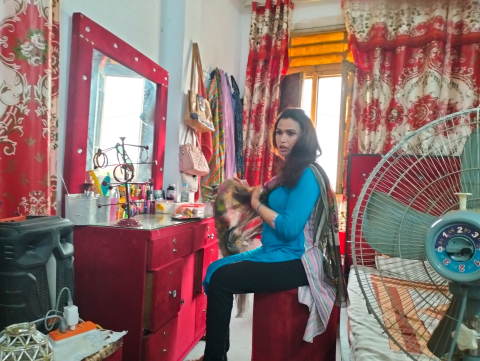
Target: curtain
(29, 53)
(417, 60)
(266, 67)
(348, 77)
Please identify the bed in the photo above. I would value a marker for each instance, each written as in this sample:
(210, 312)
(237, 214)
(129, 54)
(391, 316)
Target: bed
(367, 341)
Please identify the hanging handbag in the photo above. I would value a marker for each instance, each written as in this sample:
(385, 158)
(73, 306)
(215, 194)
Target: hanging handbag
(192, 160)
(198, 114)
(191, 180)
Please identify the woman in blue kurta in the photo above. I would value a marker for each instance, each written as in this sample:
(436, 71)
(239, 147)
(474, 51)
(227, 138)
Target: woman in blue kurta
(277, 265)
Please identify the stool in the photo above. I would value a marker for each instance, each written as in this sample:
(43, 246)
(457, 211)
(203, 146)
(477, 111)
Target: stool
(279, 322)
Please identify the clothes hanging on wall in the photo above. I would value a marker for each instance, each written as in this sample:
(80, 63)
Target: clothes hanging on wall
(211, 182)
(238, 119)
(228, 127)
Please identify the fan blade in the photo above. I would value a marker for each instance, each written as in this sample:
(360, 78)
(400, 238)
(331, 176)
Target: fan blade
(395, 229)
(439, 343)
(469, 177)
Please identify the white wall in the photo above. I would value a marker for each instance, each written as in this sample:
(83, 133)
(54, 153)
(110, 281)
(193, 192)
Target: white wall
(316, 15)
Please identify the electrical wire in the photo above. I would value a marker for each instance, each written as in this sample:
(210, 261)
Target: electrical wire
(57, 312)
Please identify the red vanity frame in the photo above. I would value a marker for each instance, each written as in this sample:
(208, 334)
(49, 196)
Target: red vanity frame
(146, 281)
(87, 36)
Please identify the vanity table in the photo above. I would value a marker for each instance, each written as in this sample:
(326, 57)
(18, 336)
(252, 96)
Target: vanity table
(147, 281)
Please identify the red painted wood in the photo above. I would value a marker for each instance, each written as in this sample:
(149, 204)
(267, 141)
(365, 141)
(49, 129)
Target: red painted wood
(359, 168)
(279, 322)
(210, 254)
(200, 235)
(110, 277)
(186, 316)
(160, 346)
(160, 136)
(201, 315)
(166, 293)
(110, 281)
(86, 36)
(167, 249)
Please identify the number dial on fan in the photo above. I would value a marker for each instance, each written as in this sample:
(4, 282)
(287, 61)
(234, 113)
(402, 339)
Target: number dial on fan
(457, 247)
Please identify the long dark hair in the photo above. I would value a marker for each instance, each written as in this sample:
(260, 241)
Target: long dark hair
(305, 151)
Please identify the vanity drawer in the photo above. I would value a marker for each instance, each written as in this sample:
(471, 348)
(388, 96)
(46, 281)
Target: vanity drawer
(166, 249)
(160, 346)
(200, 314)
(166, 294)
(203, 234)
(210, 254)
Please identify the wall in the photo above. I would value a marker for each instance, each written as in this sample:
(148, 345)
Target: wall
(216, 26)
(315, 15)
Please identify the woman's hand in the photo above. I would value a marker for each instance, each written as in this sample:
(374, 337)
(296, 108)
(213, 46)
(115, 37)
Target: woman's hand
(255, 202)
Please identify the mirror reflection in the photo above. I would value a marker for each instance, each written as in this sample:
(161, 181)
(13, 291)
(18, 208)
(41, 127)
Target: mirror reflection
(122, 104)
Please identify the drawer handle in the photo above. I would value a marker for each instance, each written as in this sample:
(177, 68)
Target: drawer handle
(182, 302)
(165, 334)
(174, 240)
(174, 250)
(208, 228)
(204, 311)
(164, 350)
(212, 236)
(174, 293)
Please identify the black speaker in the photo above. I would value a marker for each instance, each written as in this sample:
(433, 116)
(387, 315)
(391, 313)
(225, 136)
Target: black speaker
(36, 262)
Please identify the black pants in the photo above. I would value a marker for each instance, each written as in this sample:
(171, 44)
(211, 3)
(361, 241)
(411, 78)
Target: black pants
(237, 278)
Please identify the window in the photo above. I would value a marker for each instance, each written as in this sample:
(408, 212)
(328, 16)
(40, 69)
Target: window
(322, 57)
(325, 113)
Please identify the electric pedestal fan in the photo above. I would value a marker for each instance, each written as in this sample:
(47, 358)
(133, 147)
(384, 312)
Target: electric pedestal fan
(417, 221)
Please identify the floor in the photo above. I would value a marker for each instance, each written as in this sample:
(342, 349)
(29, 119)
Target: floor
(240, 337)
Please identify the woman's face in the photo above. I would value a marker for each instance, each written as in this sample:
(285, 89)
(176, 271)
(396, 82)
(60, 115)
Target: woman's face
(286, 135)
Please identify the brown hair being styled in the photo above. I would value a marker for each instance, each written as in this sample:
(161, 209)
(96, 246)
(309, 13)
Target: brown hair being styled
(304, 152)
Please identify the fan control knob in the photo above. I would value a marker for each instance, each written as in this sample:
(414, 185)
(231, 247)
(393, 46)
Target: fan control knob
(453, 246)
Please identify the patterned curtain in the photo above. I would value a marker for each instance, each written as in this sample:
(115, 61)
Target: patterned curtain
(266, 67)
(29, 53)
(417, 60)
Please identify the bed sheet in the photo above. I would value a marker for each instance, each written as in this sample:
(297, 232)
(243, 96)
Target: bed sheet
(369, 342)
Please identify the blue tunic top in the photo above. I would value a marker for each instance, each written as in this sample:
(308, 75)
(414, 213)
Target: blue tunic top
(286, 241)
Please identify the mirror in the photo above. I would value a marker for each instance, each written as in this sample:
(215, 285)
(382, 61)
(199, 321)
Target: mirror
(122, 104)
(114, 91)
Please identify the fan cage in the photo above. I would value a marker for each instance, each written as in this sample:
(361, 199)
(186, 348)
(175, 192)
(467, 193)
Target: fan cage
(423, 172)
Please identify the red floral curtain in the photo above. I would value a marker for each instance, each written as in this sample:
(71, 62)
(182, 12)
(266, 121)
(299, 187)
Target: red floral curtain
(417, 60)
(266, 67)
(29, 52)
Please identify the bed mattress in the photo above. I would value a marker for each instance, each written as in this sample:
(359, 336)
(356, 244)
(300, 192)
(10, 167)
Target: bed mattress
(367, 339)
